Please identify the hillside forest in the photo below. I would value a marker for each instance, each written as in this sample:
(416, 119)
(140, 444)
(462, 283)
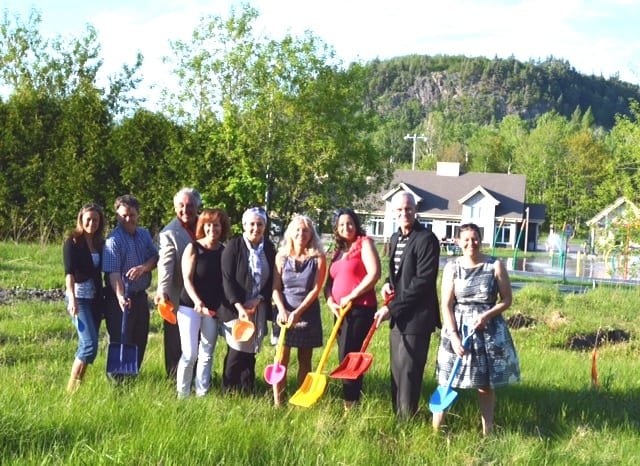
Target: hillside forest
(282, 123)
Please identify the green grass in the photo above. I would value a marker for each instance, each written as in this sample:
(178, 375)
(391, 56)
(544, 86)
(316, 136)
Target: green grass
(31, 266)
(553, 417)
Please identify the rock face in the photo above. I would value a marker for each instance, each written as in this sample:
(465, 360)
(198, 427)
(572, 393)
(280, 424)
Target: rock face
(9, 295)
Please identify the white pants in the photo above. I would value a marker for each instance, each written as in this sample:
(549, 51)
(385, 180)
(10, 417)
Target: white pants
(193, 325)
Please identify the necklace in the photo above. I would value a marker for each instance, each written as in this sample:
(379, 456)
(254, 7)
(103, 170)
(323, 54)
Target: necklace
(298, 262)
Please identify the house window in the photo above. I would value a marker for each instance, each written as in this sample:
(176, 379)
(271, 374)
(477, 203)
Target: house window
(375, 227)
(475, 212)
(452, 230)
(504, 235)
(428, 224)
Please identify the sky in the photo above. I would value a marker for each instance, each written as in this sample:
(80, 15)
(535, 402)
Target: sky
(599, 37)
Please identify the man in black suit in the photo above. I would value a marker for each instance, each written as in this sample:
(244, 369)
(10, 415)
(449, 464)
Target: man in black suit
(414, 311)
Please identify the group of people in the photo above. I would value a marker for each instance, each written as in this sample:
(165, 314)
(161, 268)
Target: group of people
(213, 282)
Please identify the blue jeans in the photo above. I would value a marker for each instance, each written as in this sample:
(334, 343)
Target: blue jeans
(87, 324)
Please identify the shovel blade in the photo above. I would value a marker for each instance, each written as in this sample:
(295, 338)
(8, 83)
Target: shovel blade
(165, 309)
(243, 330)
(122, 359)
(353, 366)
(310, 391)
(274, 373)
(442, 399)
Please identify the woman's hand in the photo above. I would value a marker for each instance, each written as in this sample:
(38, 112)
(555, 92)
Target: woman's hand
(456, 343)
(333, 307)
(480, 321)
(72, 307)
(346, 300)
(283, 317)
(293, 319)
(242, 314)
(251, 305)
(200, 308)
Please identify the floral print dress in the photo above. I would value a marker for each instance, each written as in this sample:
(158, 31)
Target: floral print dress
(490, 359)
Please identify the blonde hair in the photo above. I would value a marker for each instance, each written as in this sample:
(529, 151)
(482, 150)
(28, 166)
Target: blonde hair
(314, 248)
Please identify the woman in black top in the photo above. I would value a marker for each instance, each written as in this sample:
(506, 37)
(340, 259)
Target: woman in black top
(201, 296)
(247, 277)
(82, 254)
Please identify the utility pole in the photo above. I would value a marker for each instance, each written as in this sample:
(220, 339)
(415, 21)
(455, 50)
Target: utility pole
(415, 137)
(526, 234)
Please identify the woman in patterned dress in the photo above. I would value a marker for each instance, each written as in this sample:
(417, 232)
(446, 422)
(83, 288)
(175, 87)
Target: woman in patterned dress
(301, 268)
(471, 285)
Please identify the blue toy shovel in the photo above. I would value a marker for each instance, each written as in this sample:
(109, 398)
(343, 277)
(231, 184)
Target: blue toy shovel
(444, 397)
(122, 358)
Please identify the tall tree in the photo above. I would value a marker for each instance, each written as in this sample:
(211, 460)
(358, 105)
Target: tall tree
(624, 141)
(56, 125)
(287, 127)
(543, 160)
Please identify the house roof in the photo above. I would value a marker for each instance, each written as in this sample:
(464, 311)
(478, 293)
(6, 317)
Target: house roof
(441, 195)
(482, 191)
(537, 212)
(603, 214)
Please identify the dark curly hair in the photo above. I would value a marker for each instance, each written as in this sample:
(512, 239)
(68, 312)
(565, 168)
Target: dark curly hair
(341, 244)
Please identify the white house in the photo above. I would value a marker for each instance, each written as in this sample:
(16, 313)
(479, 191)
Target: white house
(618, 214)
(447, 198)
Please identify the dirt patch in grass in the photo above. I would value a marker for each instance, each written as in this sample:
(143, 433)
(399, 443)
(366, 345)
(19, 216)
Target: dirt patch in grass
(519, 320)
(9, 295)
(589, 341)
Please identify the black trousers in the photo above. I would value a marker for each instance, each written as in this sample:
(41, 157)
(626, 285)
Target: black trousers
(353, 331)
(137, 322)
(172, 348)
(239, 372)
(408, 358)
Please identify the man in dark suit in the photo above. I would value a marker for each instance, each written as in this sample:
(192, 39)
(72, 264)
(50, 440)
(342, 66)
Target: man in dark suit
(414, 311)
(171, 243)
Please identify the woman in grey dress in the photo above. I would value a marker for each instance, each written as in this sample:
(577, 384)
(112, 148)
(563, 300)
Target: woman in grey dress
(300, 271)
(471, 286)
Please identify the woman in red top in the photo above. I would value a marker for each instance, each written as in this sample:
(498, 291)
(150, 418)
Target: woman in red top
(354, 271)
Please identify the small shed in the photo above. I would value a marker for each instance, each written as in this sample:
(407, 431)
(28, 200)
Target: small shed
(602, 225)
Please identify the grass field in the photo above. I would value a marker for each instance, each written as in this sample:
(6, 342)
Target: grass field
(555, 416)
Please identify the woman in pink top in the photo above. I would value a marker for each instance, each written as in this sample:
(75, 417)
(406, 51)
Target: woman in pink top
(353, 274)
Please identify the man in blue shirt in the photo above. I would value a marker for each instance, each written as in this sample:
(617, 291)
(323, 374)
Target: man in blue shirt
(129, 257)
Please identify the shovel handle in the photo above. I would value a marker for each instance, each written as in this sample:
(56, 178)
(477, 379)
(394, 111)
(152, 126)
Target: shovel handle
(367, 339)
(125, 311)
(374, 325)
(456, 364)
(280, 348)
(332, 337)
(389, 297)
